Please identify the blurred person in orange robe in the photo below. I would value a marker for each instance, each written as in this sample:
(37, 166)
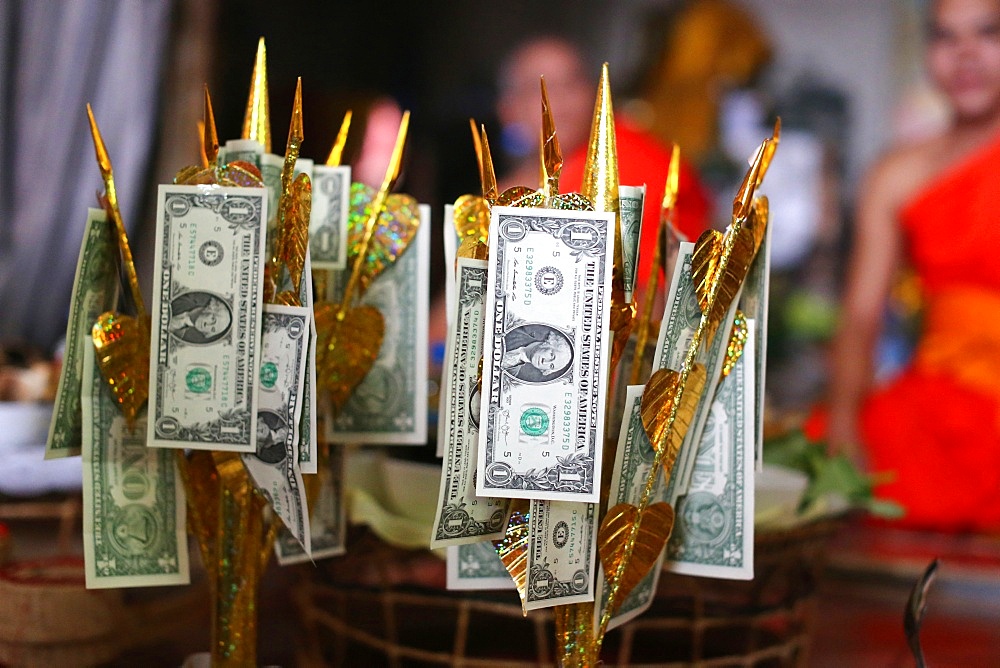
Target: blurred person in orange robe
(935, 429)
(572, 90)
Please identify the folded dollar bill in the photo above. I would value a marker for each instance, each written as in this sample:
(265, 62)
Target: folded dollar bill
(95, 290)
(134, 507)
(462, 516)
(331, 194)
(631, 198)
(633, 461)
(274, 466)
(714, 529)
(476, 566)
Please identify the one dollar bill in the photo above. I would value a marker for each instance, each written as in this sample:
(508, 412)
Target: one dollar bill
(476, 566)
(633, 461)
(331, 190)
(681, 319)
(562, 553)
(714, 528)
(463, 517)
(546, 354)
(631, 199)
(95, 290)
(328, 518)
(274, 466)
(206, 317)
(390, 405)
(134, 512)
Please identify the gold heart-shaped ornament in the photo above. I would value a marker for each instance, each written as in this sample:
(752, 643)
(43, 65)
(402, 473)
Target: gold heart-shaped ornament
(122, 346)
(663, 391)
(655, 524)
(348, 345)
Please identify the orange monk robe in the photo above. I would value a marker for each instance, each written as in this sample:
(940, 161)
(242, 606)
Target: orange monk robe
(937, 425)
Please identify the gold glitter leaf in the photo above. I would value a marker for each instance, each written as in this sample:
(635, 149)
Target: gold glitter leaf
(666, 425)
(295, 212)
(521, 196)
(737, 339)
(471, 218)
(346, 348)
(717, 276)
(122, 345)
(613, 543)
(513, 548)
(396, 228)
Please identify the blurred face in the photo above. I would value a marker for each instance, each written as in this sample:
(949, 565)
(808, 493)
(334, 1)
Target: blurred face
(963, 55)
(571, 94)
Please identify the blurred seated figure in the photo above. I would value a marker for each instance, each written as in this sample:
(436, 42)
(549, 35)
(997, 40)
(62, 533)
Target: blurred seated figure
(572, 90)
(935, 429)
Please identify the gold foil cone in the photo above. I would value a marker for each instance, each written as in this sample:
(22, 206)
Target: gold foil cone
(122, 346)
(337, 150)
(257, 118)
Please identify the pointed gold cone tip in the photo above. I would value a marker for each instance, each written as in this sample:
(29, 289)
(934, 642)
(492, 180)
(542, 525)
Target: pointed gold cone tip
(103, 160)
(210, 137)
(392, 172)
(489, 177)
(552, 159)
(295, 132)
(337, 151)
(673, 179)
(600, 177)
(477, 143)
(769, 152)
(256, 120)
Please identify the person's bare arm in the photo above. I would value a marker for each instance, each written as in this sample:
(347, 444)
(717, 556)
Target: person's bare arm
(872, 264)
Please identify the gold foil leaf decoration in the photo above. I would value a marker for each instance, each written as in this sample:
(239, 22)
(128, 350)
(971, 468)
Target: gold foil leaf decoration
(396, 228)
(667, 409)
(122, 346)
(737, 340)
(257, 118)
(718, 276)
(521, 196)
(618, 536)
(513, 548)
(471, 216)
(295, 220)
(347, 348)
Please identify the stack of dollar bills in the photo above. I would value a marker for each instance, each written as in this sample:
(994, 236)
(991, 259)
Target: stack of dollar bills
(230, 373)
(530, 425)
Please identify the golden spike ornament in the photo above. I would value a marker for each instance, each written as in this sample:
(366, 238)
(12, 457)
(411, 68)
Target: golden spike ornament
(653, 279)
(257, 118)
(121, 341)
(237, 173)
(294, 207)
(337, 150)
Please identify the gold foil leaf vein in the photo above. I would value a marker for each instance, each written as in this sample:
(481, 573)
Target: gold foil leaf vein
(718, 278)
(396, 228)
(295, 212)
(613, 544)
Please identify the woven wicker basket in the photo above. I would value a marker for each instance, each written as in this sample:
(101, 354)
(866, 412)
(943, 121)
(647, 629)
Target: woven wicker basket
(693, 621)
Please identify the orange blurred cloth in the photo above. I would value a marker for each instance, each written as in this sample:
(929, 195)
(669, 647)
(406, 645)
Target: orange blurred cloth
(643, 159)
(937, 425)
